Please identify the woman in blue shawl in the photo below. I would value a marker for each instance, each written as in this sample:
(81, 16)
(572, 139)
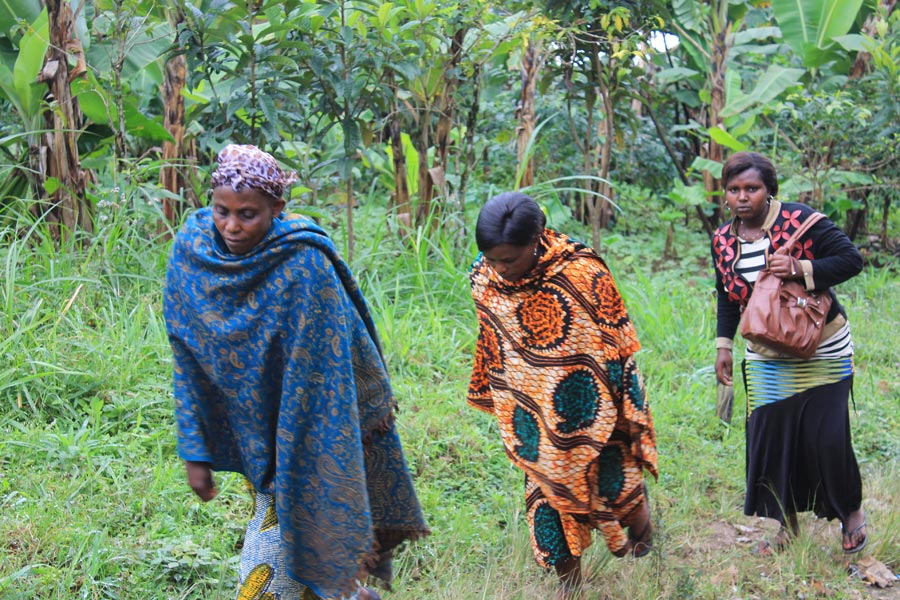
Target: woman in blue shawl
(278, 376)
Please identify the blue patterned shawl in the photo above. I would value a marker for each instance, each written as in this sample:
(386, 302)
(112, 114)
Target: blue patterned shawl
(278, 376)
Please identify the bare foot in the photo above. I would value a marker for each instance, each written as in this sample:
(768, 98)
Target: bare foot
(566, 592)
(640, 530)
(640, 534)
(569, 572)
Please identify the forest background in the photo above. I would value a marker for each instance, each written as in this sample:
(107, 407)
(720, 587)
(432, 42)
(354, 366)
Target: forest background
(401, 118)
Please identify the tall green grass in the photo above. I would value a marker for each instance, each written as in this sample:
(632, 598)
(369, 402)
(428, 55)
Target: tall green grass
(93, 502)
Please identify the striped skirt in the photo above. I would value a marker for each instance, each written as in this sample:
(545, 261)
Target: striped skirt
(769, 381)
(799, 453)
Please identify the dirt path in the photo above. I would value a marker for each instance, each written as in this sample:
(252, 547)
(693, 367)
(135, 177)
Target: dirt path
(725, 538)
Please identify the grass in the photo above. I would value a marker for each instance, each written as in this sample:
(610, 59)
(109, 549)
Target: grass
(93, 502)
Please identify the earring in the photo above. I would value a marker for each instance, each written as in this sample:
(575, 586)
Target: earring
(769, 199)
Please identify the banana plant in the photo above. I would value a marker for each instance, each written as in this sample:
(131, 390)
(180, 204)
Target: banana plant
(18, 86)
(813, 28)
(723, 101)
(816, 31)
(706, 31)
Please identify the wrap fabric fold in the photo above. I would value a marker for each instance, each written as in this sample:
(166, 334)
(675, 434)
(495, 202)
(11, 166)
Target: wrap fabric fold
(278, 375)
(554, 364)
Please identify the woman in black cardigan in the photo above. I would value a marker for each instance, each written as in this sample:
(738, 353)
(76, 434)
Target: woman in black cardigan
(799, 453)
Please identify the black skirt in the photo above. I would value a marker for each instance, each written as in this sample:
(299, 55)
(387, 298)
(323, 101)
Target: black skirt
(800, 457)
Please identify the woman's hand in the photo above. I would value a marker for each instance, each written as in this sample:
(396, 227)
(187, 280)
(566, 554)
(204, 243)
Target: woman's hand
(724, 362)
(200, 478)
(784, 266)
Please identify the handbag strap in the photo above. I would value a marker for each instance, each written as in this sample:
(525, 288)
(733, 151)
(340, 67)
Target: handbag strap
(809, 222)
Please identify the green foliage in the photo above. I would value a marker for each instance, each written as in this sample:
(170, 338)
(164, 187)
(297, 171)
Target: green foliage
(833, 140)
(881, 87)
(327, 77)
(92, 497)
(21, 97)
(19, 86)
(15, 13)
(770, 85)
(823, 132)
(811, 26)
(245, 70)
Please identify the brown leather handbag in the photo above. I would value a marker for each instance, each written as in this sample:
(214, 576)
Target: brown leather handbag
(782, 315)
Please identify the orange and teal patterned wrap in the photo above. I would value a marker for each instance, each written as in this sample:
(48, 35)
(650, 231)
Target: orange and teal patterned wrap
(554, 364)
(278, 376)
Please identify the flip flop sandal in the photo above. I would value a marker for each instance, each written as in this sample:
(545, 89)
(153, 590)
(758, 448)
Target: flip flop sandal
(859, 545)
(641, 544)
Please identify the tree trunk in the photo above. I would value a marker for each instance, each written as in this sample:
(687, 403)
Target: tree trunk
(669, 250)
(582, 203)
(858, 219)
(469, 141)
(447, 103)
(714, 150)
(663, 137)
(600, 208)
(400, 202)
(423, 142)
(118, 63)
(351, 235)
(609, 138)
(435, 175)
(67, 209)
(531, 64)
(177, 155)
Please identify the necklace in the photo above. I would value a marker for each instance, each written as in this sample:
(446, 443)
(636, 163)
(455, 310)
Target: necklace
(760, 233)
(750, 238)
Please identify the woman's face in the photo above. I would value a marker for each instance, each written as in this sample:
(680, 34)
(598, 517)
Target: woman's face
(747, 196)
(243, 218)
(511, 262)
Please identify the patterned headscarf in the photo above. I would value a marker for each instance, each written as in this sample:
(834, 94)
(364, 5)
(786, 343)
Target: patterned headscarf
(248, 167)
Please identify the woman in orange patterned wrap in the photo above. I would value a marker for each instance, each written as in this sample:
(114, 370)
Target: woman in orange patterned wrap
(554, 363)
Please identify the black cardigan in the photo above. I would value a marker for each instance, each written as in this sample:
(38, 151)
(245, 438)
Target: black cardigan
(833, 259)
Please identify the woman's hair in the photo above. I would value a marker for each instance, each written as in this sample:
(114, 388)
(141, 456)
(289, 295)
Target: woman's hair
(509, 218)
(739, 162)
